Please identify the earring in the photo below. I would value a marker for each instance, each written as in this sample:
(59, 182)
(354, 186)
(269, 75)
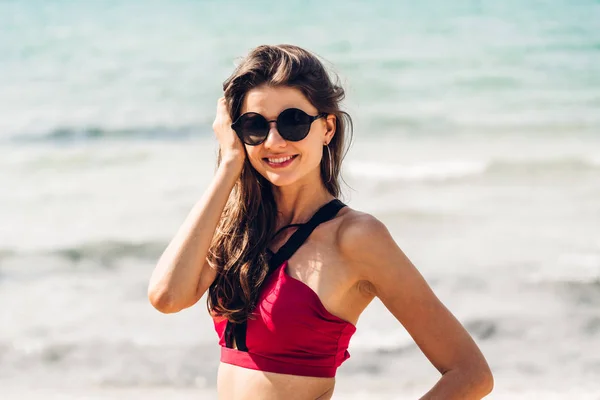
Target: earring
(330, 163)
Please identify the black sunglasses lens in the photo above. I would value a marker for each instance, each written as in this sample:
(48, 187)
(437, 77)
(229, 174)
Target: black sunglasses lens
(253, 128)
(293, 124)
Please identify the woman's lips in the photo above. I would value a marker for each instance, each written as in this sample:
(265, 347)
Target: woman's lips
(281, 164)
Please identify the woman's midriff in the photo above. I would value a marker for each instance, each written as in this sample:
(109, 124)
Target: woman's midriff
(237, 383)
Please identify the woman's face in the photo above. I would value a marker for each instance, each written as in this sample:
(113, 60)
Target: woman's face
(270, 101)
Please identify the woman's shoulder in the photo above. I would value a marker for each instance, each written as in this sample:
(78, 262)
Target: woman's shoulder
(359, 231)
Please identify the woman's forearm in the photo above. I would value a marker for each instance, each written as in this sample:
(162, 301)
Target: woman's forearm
(461, 385)
(176, 279)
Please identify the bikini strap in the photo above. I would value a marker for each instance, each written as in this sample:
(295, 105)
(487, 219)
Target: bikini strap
(281, 230)
(325, 213)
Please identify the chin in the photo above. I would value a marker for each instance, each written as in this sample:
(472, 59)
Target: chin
(279, 180)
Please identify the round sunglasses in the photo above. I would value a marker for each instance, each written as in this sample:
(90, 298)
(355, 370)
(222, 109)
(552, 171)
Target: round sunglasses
(292, 124)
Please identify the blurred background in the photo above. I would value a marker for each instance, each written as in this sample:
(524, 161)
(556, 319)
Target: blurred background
(477, 142)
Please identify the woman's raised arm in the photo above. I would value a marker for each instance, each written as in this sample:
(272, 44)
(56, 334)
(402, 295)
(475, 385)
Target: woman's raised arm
(182, 274)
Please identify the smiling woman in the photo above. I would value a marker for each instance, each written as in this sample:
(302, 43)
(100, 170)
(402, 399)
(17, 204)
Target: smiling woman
(285, 140)
(288, 267)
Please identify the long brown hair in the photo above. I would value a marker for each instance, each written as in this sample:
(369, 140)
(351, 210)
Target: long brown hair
(238, 249)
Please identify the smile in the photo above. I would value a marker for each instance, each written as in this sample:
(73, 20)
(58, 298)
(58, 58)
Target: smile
(280, 161)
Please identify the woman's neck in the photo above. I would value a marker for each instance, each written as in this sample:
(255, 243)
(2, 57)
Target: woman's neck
(297, 204)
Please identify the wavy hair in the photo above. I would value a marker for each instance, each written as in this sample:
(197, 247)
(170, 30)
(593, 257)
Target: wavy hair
(238, 249)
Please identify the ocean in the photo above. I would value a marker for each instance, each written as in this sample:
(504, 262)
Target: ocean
(477, 142)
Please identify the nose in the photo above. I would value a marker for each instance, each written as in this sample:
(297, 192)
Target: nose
(274, 139)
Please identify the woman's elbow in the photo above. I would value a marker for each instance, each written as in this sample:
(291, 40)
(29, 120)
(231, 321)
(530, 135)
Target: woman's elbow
(485, 382)
(163, 301)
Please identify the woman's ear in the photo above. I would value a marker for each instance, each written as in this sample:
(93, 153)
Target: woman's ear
(330, 125)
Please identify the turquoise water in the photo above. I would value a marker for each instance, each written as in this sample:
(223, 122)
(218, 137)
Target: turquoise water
(477, 142)
(128, 67)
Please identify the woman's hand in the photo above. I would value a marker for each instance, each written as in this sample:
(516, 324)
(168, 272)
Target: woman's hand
(231, 147)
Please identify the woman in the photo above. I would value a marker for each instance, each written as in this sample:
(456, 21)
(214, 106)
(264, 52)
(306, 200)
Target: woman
(288, 267)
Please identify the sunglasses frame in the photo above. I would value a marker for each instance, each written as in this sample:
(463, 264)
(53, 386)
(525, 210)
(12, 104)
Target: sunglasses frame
(312, 118)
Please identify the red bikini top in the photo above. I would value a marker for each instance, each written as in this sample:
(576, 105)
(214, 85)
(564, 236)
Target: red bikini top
(290, 331)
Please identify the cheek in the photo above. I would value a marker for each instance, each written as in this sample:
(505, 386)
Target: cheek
(314, 151)
(253, 156)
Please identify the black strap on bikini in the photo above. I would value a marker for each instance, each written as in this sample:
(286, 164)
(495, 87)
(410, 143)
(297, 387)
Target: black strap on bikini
(285, 252)
(282, 229)
(239, 331)
(325, 213)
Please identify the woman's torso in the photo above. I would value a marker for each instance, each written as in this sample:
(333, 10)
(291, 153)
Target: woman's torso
(320, 265)
(239, 383)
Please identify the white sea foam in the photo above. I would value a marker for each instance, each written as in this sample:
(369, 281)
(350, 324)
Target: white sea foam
(426, 171)
(579, 268)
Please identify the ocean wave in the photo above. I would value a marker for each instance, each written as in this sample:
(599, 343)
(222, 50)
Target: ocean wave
(124, 364)
(564, 164)
(433, 171)
(102, 253)
(452, 170)
(572, 269)
(85, 134)
(108, 253)
(482, 329)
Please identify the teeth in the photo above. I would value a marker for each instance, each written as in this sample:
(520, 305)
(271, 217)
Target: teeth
(279, 160)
